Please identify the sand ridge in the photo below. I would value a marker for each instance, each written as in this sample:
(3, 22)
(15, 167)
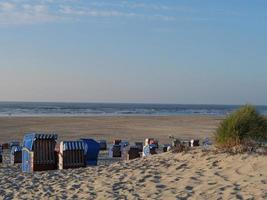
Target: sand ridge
(192, 175)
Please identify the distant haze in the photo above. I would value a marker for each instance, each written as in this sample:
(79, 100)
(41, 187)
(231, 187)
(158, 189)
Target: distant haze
(155, 51)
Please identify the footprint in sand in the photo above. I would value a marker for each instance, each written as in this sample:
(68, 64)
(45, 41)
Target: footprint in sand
(215, 163)
(189, 189)
(75, 196)
(200, 172)
(209, 158)
(237, 187)
(177, 178)
(212, 183)
(75, 186)
(160, 186)
(194, 178)
(221, 176)
(181, 166)
(239, 197)
(117, 186)
(183, 196)
(156, 179)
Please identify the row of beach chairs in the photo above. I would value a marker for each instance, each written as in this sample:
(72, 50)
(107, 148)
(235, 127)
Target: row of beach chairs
(41, 152)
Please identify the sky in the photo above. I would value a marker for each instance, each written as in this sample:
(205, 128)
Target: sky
(149, 51)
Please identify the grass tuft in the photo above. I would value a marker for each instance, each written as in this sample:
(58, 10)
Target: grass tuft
(241, 128)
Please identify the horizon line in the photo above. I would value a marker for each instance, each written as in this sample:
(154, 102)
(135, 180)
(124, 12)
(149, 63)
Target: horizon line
(137, 103)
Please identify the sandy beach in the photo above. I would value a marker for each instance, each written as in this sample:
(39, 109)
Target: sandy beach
(110, 128)
(196, 174)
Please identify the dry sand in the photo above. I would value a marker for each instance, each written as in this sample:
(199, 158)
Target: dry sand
(110, 128)
(194, 175)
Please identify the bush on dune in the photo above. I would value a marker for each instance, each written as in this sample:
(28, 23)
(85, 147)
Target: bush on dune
(242, 127)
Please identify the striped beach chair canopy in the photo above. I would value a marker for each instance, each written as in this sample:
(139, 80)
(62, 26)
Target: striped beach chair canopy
(73, 145)
(29, 139)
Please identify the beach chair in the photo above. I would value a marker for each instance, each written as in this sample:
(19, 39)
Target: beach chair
(103, 145)
(16, 155)
(1, 157)
(153, 148)
(124, 152)
(13, 144)
(206, 143)
(5, 146)
(1, 151)
(149, 150)
(194, 143)
(175, 142)
(71, 154)
(57, 149)
(149, 141)
(186, 143)
(92, 149)
(124, 143)
(116, 149)
(154, 142)
(38, 152)
(133, 153)
(139, 145)
(110, 151)
(165, 147)
(117, 142)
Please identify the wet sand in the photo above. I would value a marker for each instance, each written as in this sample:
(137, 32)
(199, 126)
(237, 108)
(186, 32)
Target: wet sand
(110, 128)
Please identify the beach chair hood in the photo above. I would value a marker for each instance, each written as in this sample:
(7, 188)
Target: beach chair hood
(31, 137)
(92, 149)
(72, 145)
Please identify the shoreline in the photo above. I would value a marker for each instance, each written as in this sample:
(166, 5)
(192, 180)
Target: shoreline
(82, 116)
(97, 116)
(53, 109)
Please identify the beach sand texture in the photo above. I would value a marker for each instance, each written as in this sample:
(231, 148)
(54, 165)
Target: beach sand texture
(110, 128)
(192, 175)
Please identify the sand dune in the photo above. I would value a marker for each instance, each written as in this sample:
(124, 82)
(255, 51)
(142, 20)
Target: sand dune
(192, 175)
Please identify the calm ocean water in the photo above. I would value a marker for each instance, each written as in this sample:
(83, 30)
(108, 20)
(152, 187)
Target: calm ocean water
(108, 109)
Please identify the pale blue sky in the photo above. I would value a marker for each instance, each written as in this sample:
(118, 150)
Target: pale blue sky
(149, 51)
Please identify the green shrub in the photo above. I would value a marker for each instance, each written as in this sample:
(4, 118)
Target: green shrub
(241, 127)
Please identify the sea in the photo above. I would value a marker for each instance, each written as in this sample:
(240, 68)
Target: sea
(24, 109)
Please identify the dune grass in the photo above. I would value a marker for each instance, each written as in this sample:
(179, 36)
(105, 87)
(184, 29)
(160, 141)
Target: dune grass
(242, 127)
